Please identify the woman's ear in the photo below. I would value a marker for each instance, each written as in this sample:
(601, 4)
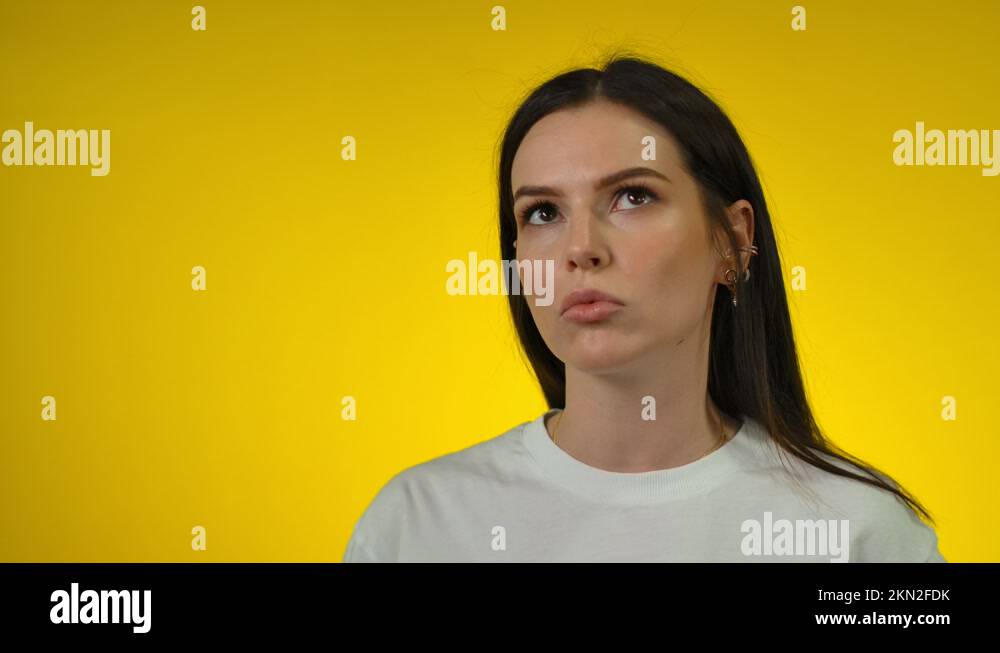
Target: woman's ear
(742, 219)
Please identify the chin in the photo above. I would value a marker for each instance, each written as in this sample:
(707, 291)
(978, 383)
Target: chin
(598, 358)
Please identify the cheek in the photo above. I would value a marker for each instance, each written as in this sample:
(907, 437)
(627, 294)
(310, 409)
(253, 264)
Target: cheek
(654, 256)
(668, 271)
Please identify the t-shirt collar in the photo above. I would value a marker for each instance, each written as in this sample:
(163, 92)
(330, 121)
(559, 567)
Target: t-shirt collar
(636, 487)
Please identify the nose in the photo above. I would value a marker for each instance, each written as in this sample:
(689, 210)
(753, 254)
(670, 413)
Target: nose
(586, 248)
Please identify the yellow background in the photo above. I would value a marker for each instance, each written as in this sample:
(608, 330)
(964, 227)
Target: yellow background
(327, 277)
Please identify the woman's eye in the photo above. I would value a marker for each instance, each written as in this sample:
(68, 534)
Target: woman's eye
(638, 195)
(631, 193)
(529, 213)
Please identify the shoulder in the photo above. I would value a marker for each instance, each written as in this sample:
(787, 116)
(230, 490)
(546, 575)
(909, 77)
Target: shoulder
(882, 526)
(425, 487)
(486, 460)
(890, 530)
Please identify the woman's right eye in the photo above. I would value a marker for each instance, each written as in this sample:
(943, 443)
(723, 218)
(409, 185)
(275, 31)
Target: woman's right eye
(528, 213)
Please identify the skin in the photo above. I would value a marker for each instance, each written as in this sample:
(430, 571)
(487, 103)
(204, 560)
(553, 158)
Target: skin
(657, 256)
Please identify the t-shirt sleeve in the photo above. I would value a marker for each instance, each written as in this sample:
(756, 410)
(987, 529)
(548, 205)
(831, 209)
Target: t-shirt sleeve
(358, 551)
(935, 555)
(376, 535)
(897, 534)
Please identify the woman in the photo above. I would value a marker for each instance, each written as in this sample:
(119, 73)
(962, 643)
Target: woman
(678, 427)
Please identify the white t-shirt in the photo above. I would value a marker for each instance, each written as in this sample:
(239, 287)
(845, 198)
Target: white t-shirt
(518, 497)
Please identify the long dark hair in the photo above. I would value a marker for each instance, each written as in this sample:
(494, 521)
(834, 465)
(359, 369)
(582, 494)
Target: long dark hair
(753, 365)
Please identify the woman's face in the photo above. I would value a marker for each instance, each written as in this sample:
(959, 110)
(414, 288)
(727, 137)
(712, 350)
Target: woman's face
(649, 249)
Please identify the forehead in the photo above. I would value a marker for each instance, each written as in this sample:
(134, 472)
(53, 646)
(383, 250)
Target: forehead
(588, 142)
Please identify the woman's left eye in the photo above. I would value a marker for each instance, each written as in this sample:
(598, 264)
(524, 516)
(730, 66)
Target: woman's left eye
(631, 193)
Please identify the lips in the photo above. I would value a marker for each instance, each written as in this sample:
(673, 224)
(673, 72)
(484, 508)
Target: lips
(589, 296)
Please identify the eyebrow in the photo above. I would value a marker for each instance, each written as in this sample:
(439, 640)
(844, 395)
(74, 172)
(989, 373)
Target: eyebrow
(608, 180)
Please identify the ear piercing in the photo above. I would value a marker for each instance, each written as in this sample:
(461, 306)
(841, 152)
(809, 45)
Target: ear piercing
(731, 273)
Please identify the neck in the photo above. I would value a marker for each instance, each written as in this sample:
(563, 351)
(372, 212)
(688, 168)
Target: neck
(609, 425)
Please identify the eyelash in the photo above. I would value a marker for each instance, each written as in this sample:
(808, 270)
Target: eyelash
(642, 188)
